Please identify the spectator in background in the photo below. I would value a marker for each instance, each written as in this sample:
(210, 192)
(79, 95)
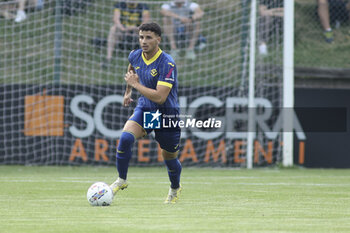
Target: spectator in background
(182, 21)
(74, 7)
(270, 13)
(21, 15)
(6, 8)
(332, 12)
(128, 16)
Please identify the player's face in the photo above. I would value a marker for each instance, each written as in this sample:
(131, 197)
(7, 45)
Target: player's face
(179, 3)
(149, 41)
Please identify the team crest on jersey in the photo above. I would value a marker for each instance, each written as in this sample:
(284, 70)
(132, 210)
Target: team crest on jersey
(154, 72)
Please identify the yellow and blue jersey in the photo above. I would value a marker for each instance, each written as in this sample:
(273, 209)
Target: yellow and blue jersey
(131, 13)
(159, 70)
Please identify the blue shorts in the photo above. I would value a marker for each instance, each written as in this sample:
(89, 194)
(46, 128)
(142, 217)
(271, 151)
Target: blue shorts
(168, 139)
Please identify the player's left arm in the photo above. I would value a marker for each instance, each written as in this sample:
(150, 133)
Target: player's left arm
(197, 12)
(128, 91)
(264, 11)
(158, 95)
(146, 16)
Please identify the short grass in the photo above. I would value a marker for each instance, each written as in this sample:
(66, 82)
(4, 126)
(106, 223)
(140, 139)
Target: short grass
(310, 48)
(53, 199)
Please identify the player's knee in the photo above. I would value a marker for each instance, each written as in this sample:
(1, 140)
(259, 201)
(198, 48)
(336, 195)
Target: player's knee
(169, 155)
(125, 143)
(113, 29)
(167, 20)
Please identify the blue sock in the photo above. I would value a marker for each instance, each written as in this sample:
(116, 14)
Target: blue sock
(174, 172)
(124, 153)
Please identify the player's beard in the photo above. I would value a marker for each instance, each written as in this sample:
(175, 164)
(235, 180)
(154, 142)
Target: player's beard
(145, 48)
(149, 50)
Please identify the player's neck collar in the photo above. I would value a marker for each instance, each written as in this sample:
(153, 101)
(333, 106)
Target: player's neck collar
(150, 61)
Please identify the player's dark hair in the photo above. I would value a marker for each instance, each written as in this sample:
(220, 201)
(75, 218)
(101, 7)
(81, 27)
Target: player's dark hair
(153, 27)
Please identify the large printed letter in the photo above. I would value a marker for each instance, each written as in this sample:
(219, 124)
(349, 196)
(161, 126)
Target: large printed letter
(74, 107)
(98, 116)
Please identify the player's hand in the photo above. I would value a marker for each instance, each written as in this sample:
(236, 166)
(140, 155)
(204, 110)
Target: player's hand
(132, 28)
(131, 78)
(127, 99)
(278, 12)
(121, 28)
(185, 20)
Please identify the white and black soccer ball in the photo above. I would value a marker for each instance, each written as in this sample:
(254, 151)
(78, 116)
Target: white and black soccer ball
(99, 194)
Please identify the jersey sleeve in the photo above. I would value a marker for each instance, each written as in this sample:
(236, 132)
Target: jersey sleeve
(167, 74)
(117, 6)
(193, 6)
(145, 7)
(131, 57)
(165, 6)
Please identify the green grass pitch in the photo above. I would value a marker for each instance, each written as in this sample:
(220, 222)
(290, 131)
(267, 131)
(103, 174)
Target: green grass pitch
(53, 199)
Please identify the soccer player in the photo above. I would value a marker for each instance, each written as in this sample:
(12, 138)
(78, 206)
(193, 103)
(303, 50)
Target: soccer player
(153, 74)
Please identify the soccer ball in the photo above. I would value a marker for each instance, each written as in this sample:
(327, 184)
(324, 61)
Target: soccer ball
(99, 194)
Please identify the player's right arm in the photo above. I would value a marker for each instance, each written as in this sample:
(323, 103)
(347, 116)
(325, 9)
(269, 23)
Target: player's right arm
(116, 19)
(146, 16)
(165, 11)
(127, 96)
(197, 12)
